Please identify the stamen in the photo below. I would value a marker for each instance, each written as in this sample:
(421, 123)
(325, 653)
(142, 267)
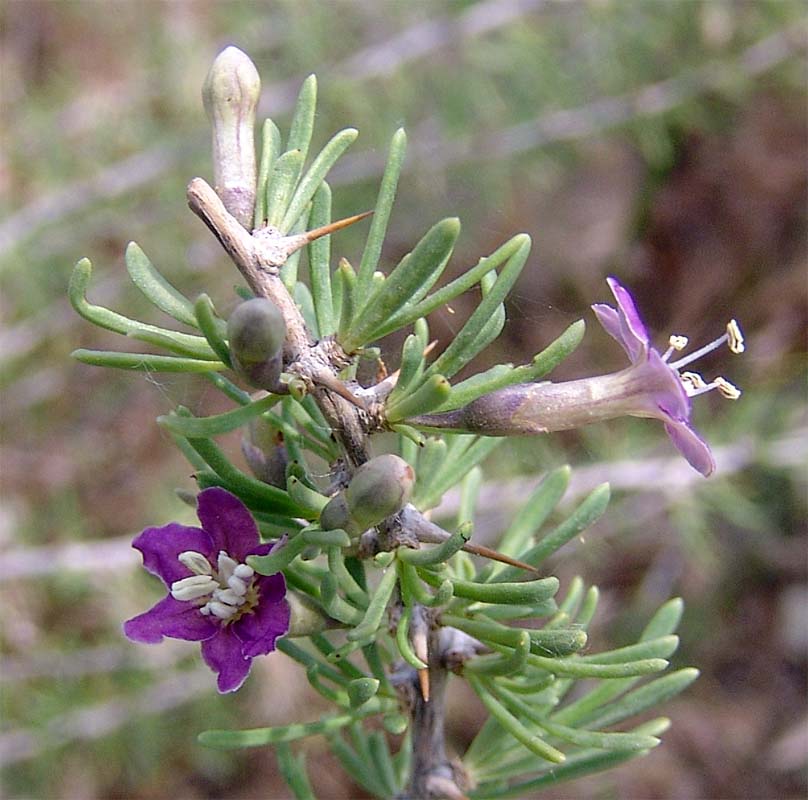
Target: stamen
(676, 342)
(195, 562)
(222, 610)
(244, 571)
(693, 383)
(237, 585)
(205, 611)
(229, 597)
(192, 587)
(702, 351)
(226, 566)
(727, 389)
(735, 335)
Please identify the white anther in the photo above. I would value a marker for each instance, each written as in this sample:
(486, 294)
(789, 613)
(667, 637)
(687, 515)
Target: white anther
(205, 611)
(693, 382)
(226, 566)
(727, 389)
(192, 587)
(237, 585)
(222, 610)
(735, 339)
(229, 596)
(678, 342)
(244, 571)
(195, 562)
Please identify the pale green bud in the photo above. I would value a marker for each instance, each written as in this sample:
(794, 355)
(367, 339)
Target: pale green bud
(256, 332)
(230, 95)
(378, 489)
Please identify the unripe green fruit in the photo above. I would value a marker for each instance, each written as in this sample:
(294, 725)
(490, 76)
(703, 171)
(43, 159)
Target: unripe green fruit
(379, 488)
(334, 515)
(256, 331)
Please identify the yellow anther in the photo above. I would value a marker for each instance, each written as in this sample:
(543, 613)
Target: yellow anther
(726, 389)
(735, 337)
(693, 380)
(678, 342)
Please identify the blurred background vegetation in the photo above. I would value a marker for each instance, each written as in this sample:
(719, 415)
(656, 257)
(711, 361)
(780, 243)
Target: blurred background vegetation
(663, 142)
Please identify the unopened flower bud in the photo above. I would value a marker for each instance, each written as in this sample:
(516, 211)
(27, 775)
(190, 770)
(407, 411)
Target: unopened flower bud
(256, 331)
(230, 95)
(334, 515)
(379, 488)
(265, 452)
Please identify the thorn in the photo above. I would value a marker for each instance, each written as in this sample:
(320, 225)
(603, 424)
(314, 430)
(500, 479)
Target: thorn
(332, 227)
(423, 681)
(487, 552)
(430, 347)
(338, 387)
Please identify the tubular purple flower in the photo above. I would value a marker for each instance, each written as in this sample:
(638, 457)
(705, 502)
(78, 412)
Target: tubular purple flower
(652, 386)
(214, 597)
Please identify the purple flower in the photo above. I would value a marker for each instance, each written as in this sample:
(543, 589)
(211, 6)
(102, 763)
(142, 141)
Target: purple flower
(652, 386)
(214, 597)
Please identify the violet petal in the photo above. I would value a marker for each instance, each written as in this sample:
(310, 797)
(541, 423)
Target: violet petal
(161, 548)
(691, 446)
(635, 335)
(259, 630)
(228, 522)
(223, 655)
(173, 618)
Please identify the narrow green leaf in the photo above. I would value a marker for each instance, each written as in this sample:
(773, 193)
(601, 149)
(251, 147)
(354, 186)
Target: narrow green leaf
(457, 354)
(648, 696)
(438, 553)
(270, 148)
(144, 362)
(251, 491)
(523, 592)
(455, 467)
(582, 669)
(512, 725)
(197, 427)
(282, 181)
(661, 647)
(213, 328)
(585, 515)
(320, 262)
(302, 125)
(412, 365)
(458, 286)
(346, 278)
(422, 266)
(313, 177)
(117, 323)
(501, 665)
(403, 640)
(170, 344)
(534, 513)
(376, 608)
(381, 216)
(156, 288)
(259, 737)
(429, 396)
(431, 458)
(293, 771)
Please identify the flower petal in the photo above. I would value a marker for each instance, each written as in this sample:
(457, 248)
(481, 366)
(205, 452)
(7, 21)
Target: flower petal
(161, 548)
(623, 323)
(270, 619)
(228, 522)
(223, 655)
(691, 446)
(173, 618)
